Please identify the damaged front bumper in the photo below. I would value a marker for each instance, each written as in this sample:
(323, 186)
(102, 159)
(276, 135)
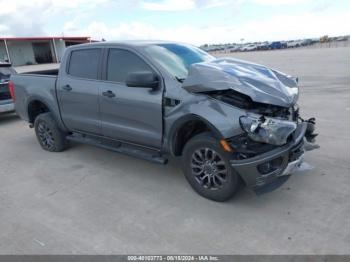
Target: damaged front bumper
(267, 171)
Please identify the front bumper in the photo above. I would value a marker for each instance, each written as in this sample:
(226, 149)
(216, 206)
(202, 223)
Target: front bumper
(6, 106)
(288, 158)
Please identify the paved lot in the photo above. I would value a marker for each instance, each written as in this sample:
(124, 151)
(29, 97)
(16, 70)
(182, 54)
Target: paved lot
(87, 200)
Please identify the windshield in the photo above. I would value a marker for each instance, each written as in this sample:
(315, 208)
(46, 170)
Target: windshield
(177, 58)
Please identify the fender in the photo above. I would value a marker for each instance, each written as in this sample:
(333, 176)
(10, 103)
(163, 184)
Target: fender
(171, 137)
(50, 106)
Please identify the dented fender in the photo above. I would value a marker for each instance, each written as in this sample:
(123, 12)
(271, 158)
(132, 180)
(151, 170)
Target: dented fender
(222, 119)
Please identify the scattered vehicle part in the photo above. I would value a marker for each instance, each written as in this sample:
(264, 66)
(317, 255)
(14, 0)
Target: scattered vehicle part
(230, 121)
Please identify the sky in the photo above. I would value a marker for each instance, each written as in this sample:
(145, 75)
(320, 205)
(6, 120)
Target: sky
(193, 21)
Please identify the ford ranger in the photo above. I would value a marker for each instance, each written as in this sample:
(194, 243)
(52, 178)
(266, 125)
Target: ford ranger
(231, 122)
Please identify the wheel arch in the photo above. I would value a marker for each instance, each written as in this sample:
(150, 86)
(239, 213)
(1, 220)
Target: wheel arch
(36, 107)
(185, 128)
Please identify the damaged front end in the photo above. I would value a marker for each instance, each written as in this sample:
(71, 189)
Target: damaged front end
(265, 166)
(271, 148)
(274, 138)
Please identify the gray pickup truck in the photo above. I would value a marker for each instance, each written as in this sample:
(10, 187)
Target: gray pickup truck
(230, 122)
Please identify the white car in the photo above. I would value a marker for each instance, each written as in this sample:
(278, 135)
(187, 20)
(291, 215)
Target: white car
(250, 47)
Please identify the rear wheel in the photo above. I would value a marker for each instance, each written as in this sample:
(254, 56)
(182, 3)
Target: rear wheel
(49, 135)
(207, 168)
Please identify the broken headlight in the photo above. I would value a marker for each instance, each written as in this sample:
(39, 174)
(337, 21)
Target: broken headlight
(267, 130)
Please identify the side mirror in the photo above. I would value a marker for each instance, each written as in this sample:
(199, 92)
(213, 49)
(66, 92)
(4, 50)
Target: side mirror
(142, 79)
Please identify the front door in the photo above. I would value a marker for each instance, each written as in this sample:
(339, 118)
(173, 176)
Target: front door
(130, 113)
(78, 91)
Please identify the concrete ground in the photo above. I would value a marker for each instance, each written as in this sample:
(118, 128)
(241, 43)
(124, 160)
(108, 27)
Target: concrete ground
(91, 201)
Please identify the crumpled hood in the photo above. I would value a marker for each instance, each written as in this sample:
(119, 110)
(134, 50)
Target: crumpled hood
(260, 83)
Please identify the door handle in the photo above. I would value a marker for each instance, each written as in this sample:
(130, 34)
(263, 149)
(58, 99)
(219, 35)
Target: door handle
(67, 88)
(109, 94)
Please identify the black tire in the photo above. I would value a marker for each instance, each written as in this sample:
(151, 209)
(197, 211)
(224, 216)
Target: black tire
(49, 135)
(209, 179)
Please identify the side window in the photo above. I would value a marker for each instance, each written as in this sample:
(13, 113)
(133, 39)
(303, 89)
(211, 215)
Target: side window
(84, 63)
(121, 63)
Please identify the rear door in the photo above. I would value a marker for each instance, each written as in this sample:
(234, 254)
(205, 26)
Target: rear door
(130, 114)
(78, 91)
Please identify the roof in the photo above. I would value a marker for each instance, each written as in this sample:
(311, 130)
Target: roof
(134, 43)
(68, 38)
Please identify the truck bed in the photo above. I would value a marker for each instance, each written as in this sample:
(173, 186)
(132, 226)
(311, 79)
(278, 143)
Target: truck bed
(41, 69)
(32, 87)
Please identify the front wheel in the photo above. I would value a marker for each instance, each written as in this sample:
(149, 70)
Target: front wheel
(207, 168)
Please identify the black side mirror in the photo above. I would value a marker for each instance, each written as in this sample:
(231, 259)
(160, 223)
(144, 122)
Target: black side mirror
(143, 79)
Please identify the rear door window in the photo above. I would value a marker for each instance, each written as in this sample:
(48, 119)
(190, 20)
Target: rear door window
(85, 63)
(123, 62)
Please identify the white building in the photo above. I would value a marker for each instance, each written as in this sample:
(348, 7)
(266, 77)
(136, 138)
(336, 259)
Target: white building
(21, 51)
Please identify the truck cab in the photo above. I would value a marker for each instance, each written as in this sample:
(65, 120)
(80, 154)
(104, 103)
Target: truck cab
(109, 106)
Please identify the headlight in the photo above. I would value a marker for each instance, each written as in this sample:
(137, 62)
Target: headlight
(267, 130)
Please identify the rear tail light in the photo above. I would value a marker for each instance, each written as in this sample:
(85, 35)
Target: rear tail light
(12, 90)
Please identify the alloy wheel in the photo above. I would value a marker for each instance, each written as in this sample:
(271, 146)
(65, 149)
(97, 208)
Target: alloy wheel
(209, 168)
(45, 135)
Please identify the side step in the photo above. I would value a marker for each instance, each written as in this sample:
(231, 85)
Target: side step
(119, 147)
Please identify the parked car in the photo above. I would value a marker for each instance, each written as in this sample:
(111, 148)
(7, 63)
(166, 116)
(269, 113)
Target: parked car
(294, 43)
(342, 38)
(235, 49)
(263, 46)
(306, 42)
(283, 44)
(276, 45)
(250, 47)
(6, 102)
(229, 121)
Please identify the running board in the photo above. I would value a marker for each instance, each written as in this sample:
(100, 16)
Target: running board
(119, 147)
